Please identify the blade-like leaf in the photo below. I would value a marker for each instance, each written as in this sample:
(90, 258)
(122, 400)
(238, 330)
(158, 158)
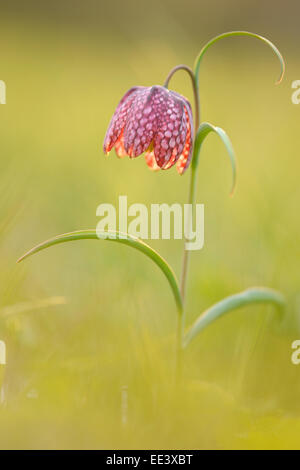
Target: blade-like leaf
(239, 33)
(24, 307)
(204, 129)
(242, 299)
(119, 237)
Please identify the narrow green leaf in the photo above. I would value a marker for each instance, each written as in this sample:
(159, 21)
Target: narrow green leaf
(239, 33)
(233, 302)
(204, 129)
(119, 237)
(29, 306)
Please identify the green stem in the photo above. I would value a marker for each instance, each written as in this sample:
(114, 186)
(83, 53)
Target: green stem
(194, 85)
(186, 256)
(191, 199)
(192, 187)
(186, 253)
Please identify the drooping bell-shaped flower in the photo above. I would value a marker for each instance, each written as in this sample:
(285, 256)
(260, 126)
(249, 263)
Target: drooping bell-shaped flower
(156, 121)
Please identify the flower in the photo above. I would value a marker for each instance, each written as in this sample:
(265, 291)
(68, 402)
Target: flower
(156, 121)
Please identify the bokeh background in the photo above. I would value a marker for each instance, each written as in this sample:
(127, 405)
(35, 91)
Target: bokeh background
(66, 64)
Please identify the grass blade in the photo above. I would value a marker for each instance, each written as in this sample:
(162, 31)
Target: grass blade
(233, 302)
(204, 129)
(24, 307)
(119, 237)
(239, 33)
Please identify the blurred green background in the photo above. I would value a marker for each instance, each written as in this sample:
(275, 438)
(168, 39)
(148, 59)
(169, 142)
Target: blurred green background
(66, 64)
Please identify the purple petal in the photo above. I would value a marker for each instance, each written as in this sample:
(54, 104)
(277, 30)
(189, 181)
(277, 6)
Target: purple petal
(118, 120)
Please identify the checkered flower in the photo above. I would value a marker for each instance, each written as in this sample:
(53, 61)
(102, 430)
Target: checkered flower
(156, 121)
